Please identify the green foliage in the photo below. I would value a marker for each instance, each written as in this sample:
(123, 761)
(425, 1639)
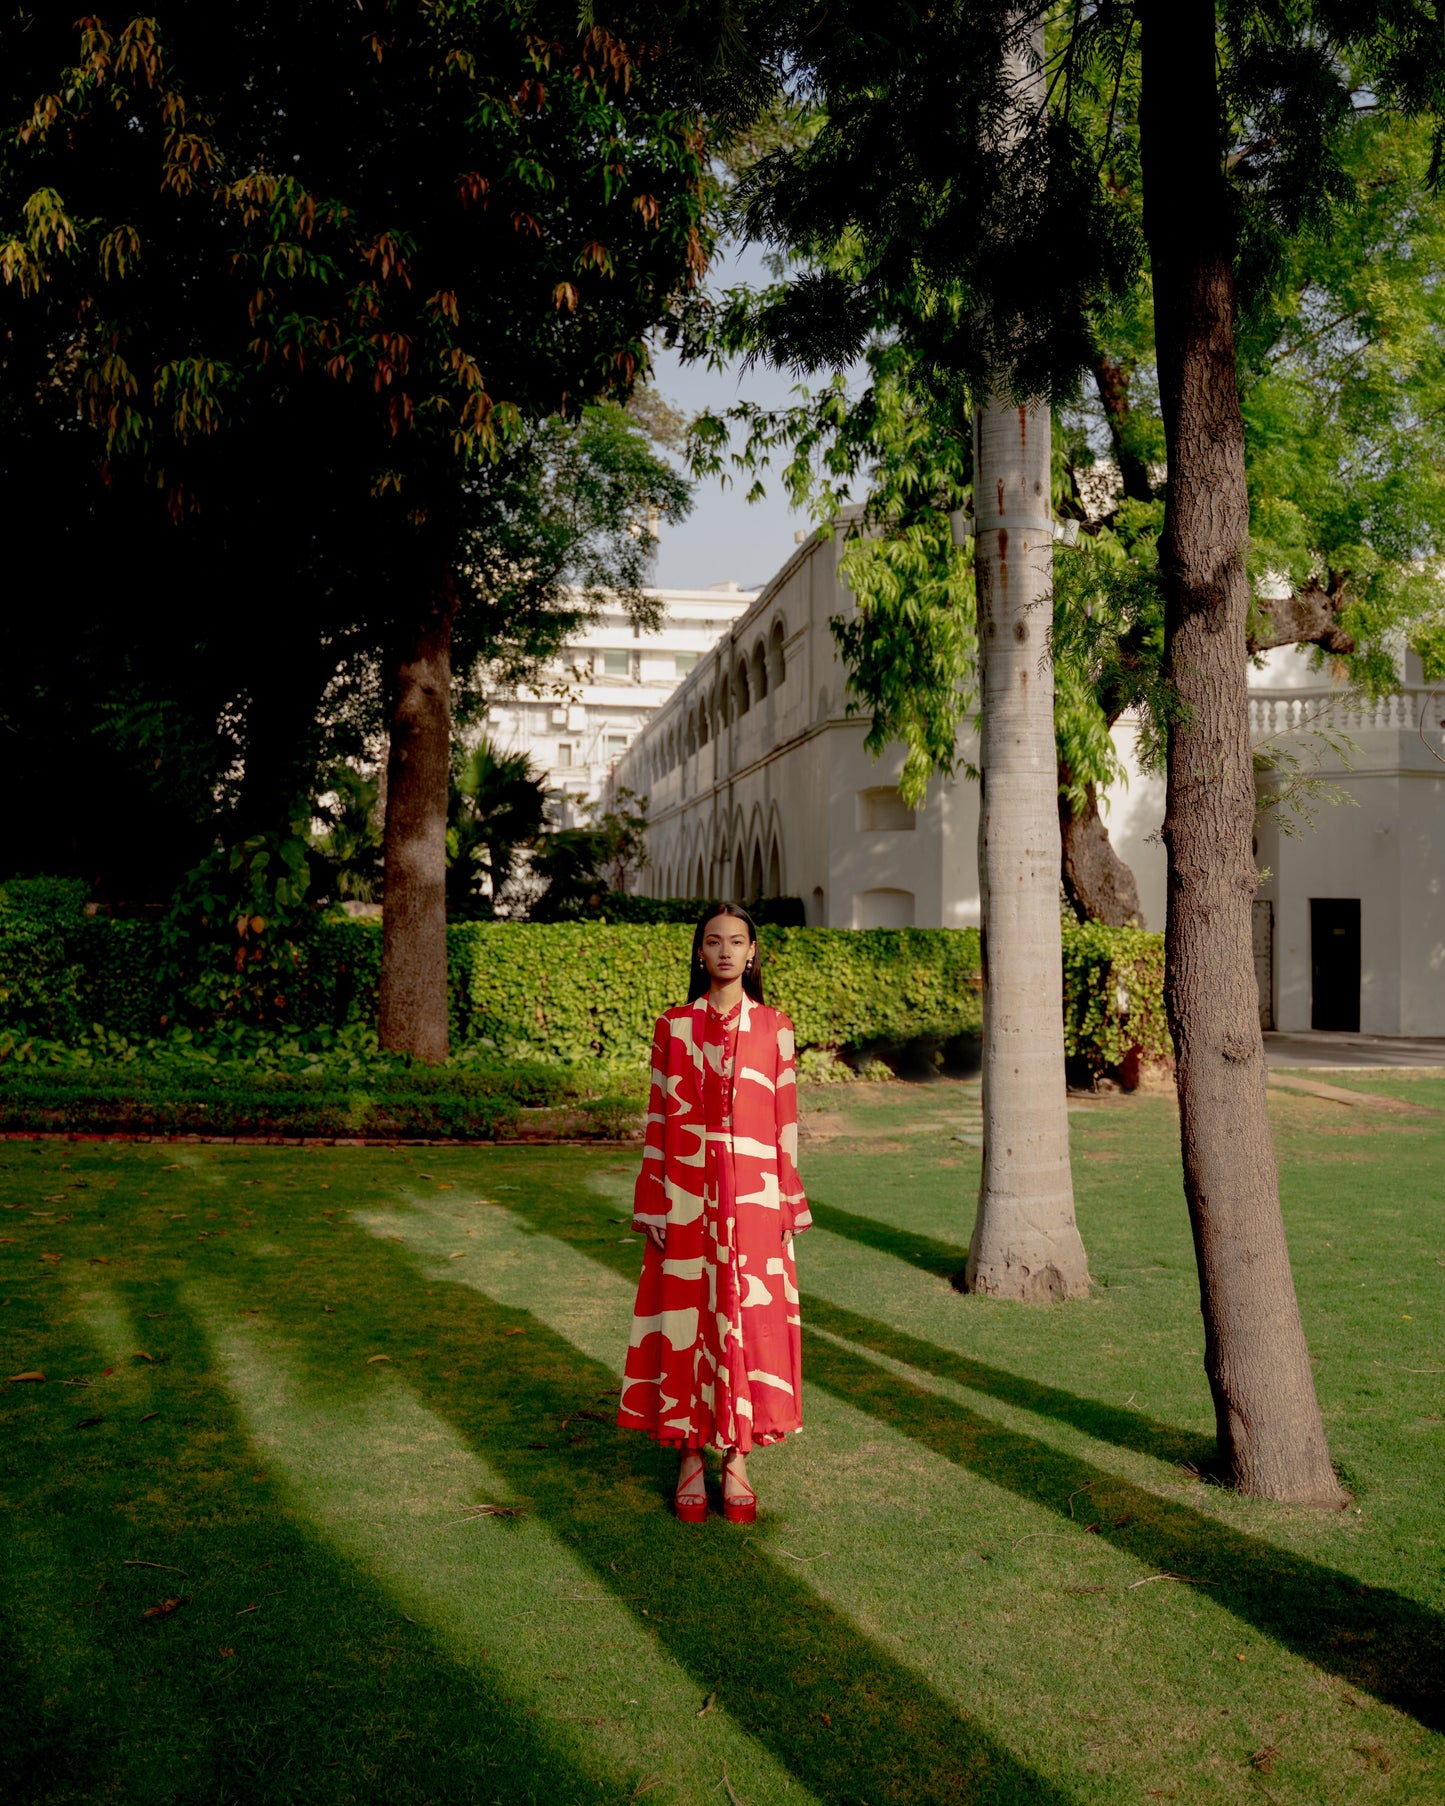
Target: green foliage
(576, 991)
(559, 993)
(41, 977)
(348, 850)
(580, 865)
(1114, 996)
(496, 807)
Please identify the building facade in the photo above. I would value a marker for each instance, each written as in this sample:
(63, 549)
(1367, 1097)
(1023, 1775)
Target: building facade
(759, 785)
(579, 721)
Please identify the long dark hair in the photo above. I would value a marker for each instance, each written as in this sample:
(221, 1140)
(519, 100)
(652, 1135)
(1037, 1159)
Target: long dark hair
(698, 980)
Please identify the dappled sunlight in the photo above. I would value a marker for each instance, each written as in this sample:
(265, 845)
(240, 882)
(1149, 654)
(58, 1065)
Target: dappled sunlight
(395, 1489)
(846, 1503)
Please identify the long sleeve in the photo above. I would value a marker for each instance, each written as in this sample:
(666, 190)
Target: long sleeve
(796, 1216)
(649, 1198)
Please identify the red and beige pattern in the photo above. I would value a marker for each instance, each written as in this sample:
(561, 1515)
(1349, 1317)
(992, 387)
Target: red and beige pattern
(715, 1358)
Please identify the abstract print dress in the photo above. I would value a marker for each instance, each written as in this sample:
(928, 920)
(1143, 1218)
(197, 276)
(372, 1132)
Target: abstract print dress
(715, 1359)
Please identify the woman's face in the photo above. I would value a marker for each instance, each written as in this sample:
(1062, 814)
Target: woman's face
(727, 946)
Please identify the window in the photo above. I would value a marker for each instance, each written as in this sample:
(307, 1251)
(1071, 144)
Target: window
(564, 753)
(683, 662)
(616, 664)
(881, 810)
(614, 745)
(883, 909)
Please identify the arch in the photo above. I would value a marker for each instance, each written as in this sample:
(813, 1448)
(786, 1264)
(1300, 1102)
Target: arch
(775, 870)
(740, 686)
(740, 877)
(777, 661)
(699, 888)
(755, 873)
(689, 743)
(758, 671)
(722, 699)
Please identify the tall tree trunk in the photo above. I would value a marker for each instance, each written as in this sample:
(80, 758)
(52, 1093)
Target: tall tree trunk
(1271, 1438)
(1025, 1241)
(1100, 885)
(413, 1015)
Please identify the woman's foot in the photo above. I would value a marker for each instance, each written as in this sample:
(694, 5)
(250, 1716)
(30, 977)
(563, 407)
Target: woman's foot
(690, 1499)
(740, 1504)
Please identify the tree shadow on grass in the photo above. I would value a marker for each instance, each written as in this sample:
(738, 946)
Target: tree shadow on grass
(1107, 1423)
(838, 1712)
(329, 1694)
(939, 1258)
(1378, 1640)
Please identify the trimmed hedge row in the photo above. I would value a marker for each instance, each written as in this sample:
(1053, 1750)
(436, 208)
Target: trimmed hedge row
(571, 991)
(576, 991)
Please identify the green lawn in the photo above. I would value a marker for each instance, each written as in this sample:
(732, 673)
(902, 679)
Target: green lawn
(281, 1382)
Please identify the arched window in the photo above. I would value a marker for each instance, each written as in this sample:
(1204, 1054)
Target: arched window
(740, 878)
(759, 672)
(740, 687)
(699, 888)
(777, 663)
(689, 744)
(755, 874)
(775, 871)
(723, 700)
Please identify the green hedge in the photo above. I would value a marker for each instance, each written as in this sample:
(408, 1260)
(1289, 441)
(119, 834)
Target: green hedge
(573, 991)
(613, 906)
(565, 991)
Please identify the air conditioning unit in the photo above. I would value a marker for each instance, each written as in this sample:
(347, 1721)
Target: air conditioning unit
(559, 717)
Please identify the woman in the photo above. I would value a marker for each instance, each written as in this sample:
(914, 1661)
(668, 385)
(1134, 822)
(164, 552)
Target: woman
(715, 1359)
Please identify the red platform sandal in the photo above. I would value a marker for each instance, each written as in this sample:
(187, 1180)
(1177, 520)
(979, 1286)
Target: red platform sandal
(739, 1510)
(689, 1505)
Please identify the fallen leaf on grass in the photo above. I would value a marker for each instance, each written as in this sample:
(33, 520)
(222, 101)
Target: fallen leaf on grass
(1264, 1760)
(98, 1260)
(253, 1607)
(50, 1257)
(373, 1359)
(516, 1331)
(148, 1416)
(165, 1608)
(538, 1445)
(490, 1511)
(141, 1355)
(228, 1652)
(33, 1374)
(461, 1255)
(708, 1705)
(89, 1423)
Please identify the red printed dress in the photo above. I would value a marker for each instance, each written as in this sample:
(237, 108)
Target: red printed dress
(715, 1358)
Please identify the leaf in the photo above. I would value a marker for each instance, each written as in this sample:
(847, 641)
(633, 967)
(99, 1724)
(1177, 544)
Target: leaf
(516, 1331)
(32, 1374)
(461, 1254)
(708, 1705)
(1264, 1760)
(165, 1608)
(141, 1355)
(89, 1423)
(227, 1652)
(148, 1416)
(50, 1257)
(373, 1359)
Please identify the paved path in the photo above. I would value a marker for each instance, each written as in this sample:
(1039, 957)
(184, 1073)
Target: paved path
(1325, 1052)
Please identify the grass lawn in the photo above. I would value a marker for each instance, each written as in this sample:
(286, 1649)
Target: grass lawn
(282, 1384)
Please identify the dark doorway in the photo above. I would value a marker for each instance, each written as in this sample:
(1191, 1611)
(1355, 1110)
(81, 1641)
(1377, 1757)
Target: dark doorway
(1335, 964)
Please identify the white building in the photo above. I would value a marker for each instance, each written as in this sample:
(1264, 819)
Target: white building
(607, 686)
(759, 785)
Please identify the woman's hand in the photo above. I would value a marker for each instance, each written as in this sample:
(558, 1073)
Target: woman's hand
(657, 1235)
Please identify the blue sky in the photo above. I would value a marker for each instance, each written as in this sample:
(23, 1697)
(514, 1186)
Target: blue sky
(726, 538)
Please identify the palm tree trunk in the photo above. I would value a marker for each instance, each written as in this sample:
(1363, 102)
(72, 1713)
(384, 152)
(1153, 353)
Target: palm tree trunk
(1271, 1438)
(413, 1013)
(1025, 1241)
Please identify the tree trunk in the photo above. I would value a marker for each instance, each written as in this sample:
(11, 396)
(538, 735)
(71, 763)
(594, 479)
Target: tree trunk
(1098, 883)
(413, 1015)
(1025, 1240)
(1112, 380)
(1271, 1438)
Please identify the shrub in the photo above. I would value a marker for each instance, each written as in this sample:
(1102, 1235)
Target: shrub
(577, 991)
(42, 977)
(1114, 998)
(615, 906)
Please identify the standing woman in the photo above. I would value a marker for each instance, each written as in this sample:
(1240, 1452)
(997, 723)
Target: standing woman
(715, 1359)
